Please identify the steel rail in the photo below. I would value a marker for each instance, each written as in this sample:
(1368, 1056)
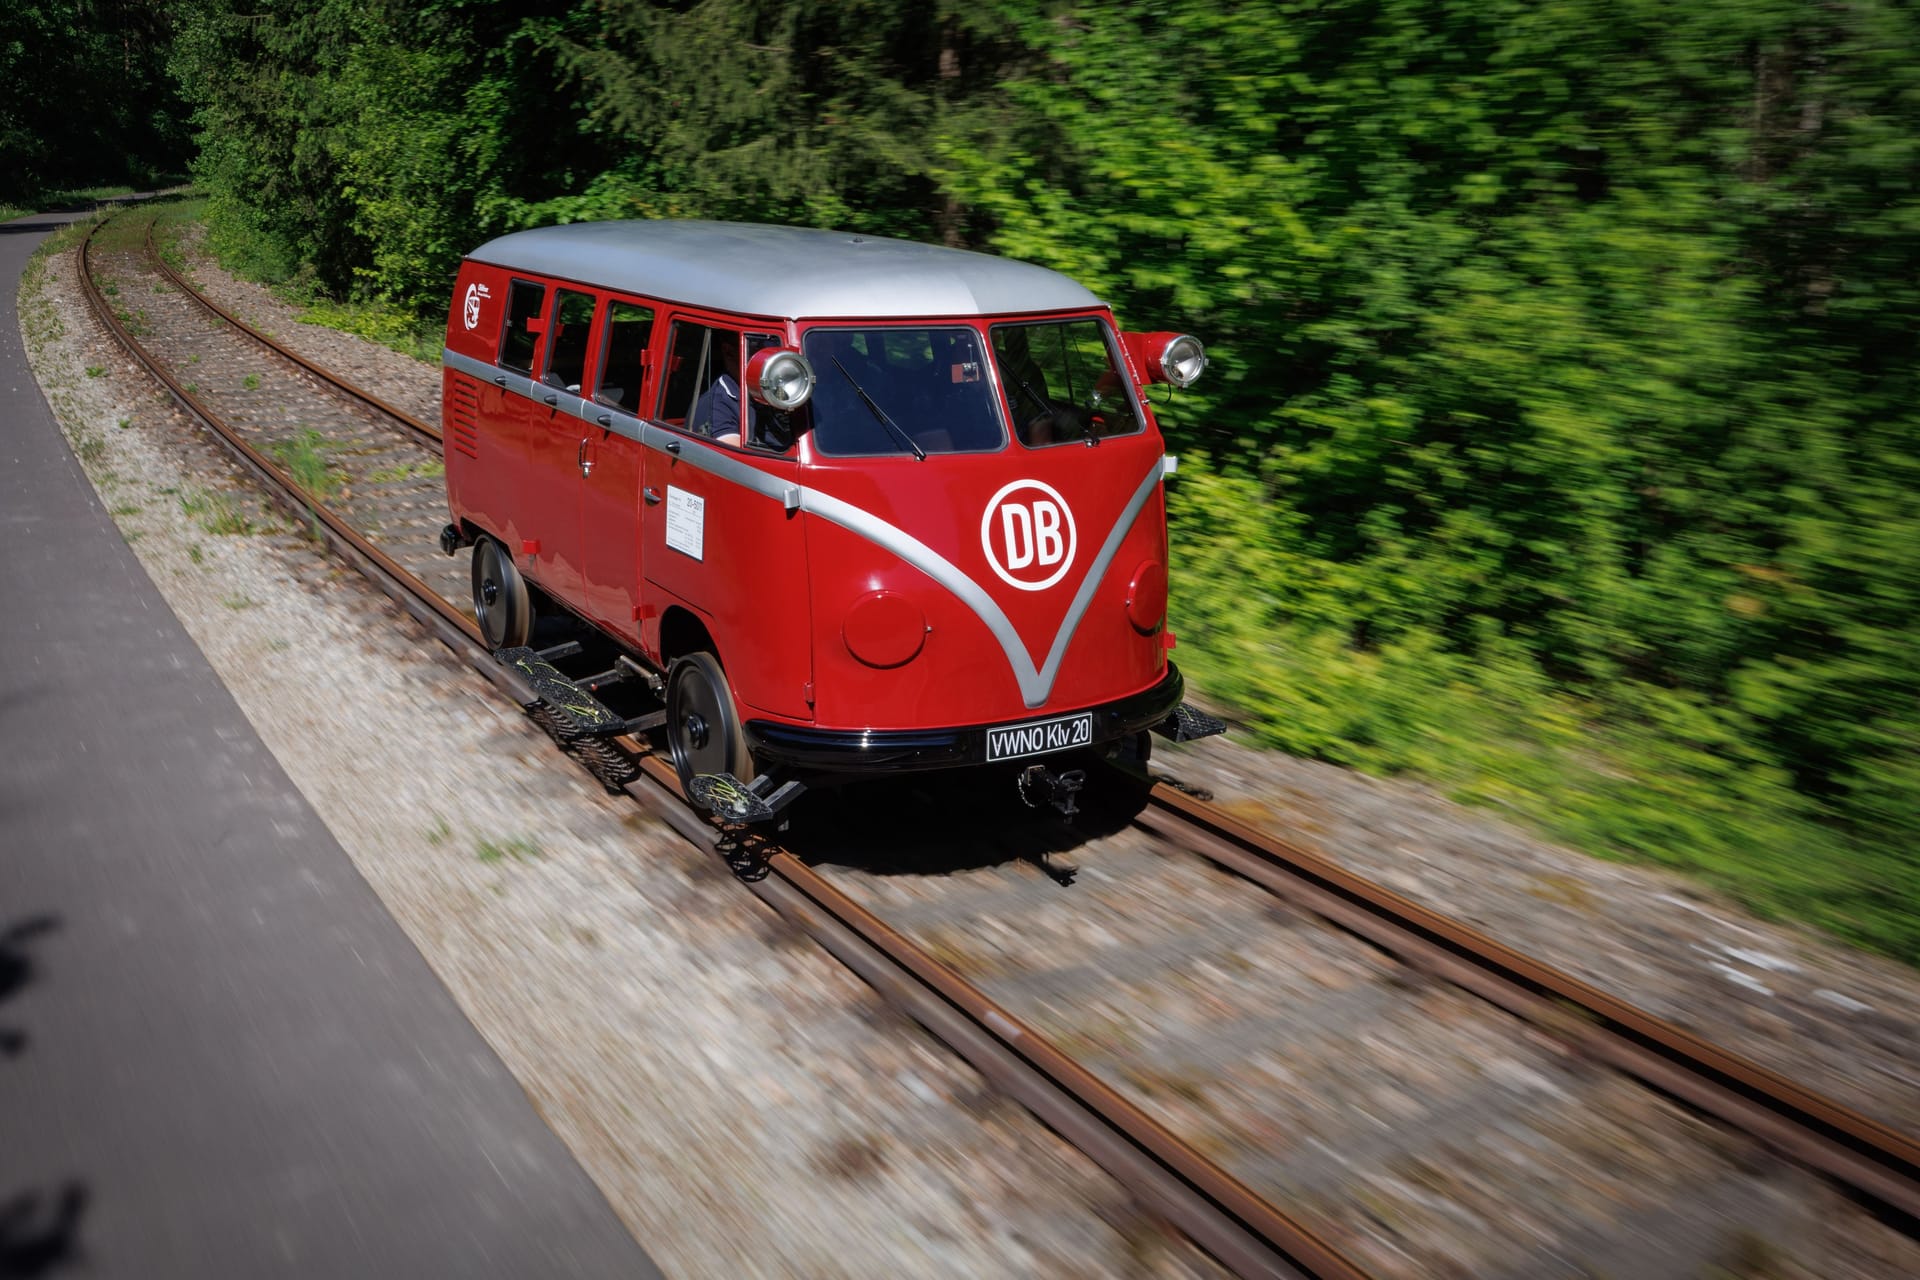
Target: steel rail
(1868, 1158)
(452, 627)
(1857, 1152)
(425, 430)
(1167, 1176)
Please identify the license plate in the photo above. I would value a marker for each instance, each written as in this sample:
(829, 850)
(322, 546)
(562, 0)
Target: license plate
(1037, 737)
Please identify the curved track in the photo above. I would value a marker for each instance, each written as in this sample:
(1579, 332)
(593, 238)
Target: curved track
(385, 528)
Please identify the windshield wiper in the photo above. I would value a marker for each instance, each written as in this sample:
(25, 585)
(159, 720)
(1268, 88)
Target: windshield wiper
(919, 454)
(1046, 405)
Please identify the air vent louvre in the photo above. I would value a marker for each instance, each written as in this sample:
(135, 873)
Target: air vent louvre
(463, 416)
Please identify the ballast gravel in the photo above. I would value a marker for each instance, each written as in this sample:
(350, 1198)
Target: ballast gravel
(746, 1105)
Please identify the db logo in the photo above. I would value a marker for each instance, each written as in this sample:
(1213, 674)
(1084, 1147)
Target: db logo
(1028, 535)
(471, 311)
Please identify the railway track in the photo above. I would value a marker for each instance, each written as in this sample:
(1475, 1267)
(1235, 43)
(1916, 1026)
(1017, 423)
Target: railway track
(368, 477)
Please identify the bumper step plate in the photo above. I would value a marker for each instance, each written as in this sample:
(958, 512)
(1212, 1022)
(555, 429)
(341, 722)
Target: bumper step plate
(577, 713)
(1187, 724)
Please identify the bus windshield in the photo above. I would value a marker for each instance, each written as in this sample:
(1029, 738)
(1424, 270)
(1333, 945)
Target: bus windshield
(894, 389)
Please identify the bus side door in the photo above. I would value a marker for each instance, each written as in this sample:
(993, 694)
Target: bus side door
(610, 505)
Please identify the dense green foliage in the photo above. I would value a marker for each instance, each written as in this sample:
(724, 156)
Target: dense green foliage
(85, 98)
(1561, 439)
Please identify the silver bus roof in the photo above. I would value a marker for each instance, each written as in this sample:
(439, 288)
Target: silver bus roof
(791, 272)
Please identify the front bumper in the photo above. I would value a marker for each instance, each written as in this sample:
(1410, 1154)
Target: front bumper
(905, 750)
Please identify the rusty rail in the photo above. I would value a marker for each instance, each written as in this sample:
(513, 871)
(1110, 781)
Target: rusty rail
(1863, 1155)
(426, 431)
(1168, 1177)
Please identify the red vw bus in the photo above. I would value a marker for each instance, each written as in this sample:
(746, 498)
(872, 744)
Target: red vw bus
(848, 504)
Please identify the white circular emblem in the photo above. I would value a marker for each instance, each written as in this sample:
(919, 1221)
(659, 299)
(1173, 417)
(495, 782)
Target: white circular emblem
(1028, 535)
(471, 311)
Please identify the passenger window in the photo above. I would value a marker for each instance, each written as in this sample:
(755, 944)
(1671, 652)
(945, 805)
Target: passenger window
(768, 427)
(623, 355)
(703, 381)
(1063, 382)
(524, 300)
(567, 340)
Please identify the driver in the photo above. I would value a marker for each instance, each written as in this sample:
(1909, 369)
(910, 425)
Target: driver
(717, 412)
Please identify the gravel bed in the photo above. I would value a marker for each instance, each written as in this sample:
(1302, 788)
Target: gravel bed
(747, 1106)
(1795, 1001)
(1843, 1021)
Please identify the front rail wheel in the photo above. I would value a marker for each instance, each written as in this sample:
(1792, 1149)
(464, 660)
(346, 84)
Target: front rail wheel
(703, 728)
(500, 602)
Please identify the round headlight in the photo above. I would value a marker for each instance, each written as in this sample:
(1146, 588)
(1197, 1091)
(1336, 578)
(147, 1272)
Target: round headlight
(781, 378)
(1183, 360)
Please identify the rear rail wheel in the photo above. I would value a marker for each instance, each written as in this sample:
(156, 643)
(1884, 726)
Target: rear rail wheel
(703, 728)
(501, 603)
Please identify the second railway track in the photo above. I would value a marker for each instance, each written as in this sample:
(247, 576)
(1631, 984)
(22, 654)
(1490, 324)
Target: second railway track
(1182, 1017)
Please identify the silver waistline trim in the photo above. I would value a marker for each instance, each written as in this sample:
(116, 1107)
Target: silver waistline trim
(1036, 683)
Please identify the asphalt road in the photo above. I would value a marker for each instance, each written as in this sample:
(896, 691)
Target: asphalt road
(219, 1055)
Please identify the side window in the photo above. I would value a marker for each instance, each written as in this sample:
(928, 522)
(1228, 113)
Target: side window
(567, 340)
(1062, 382)
(523, 325)
(623, 355)
(702, 391)
(768, 427)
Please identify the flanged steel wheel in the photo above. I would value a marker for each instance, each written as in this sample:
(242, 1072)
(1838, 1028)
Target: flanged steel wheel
(703, 729)
(500, 602)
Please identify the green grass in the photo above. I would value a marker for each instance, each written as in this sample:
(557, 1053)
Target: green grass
(379, 322)
(241, 248)
(239, 602)
(520, 849)
(407, 471)
(1659, 781)
(64, 198)
(251, 382)
(305, 459)
(215, 513)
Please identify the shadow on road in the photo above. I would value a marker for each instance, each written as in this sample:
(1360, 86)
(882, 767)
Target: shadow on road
(39, 1231)
(16, 972)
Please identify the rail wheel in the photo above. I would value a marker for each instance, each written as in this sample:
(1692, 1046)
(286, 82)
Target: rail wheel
(703, 729)
(500, 600)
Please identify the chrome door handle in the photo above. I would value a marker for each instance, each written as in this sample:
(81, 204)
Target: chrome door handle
(586, 463)
(652, 495)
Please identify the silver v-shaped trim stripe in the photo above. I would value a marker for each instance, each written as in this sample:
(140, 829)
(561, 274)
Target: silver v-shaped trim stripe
(1036, 683)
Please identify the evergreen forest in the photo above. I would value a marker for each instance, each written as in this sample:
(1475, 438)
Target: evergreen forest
(1561, 443)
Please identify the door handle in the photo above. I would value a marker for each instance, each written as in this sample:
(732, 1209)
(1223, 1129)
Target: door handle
(586, 463)
(673, 446)
(605, 419)
(652, 495)
(500, 381)
(553, 399)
